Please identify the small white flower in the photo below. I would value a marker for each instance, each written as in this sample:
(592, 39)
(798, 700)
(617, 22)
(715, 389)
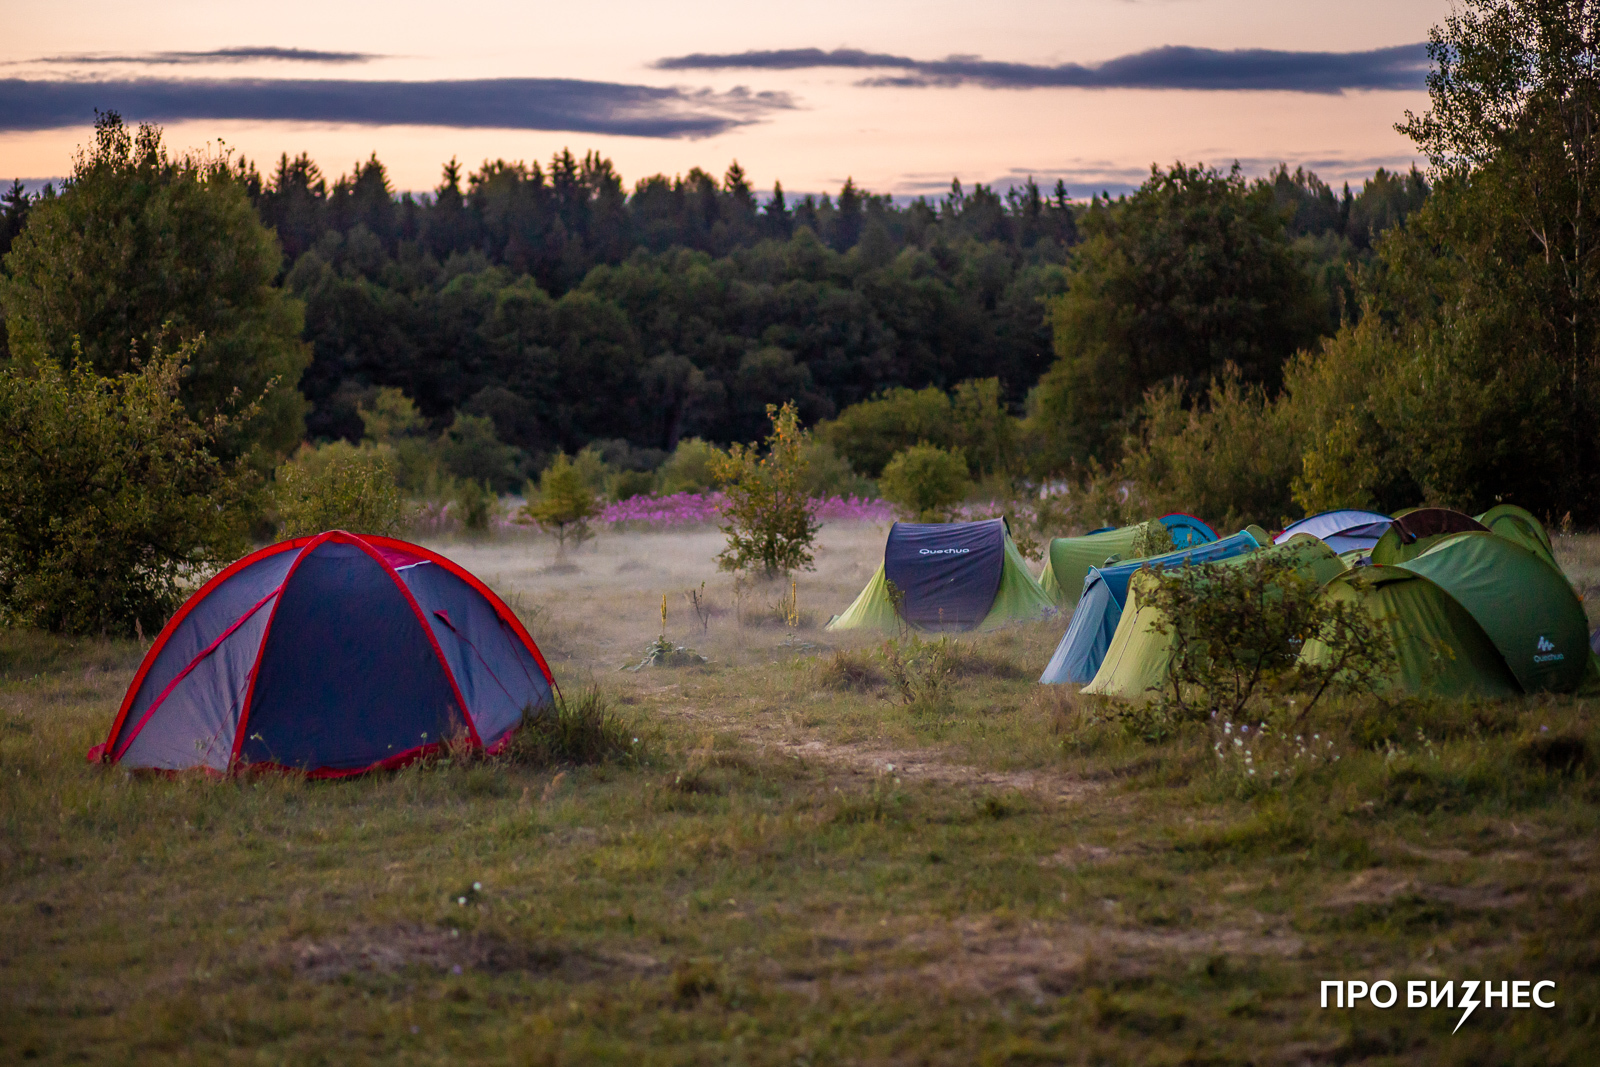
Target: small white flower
(462, 901)
(477, 887)
(1252, 770)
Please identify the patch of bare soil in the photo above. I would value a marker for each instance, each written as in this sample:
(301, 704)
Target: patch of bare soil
(907, 764)
(384, 950)
(1379, 886)
(1032, 959)
(924, 765)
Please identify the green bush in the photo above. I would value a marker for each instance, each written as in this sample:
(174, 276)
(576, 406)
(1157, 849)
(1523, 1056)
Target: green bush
(1238, 629)
(139, 249)
(973, 419)
(690, 468)
(1233, 458)
(769, 513)
(470, 451)
(338, 486)
(391, 421)
(926, 481)
(830, 474)
(114, 499)
(563, 504)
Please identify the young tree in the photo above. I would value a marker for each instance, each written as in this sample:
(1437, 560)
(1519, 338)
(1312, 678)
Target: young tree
(926, 481)
(114, 496)
(769, 514)
(565, 503)
(139, 251)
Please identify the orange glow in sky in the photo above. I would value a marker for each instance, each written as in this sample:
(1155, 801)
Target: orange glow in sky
(902, 140)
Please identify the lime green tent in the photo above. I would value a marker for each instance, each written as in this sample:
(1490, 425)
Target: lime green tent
(1139, 656)
(1515, 524)
(1439, 647)
(1069, 559)
(1416, 530)
(1474, 614)
(947, 576)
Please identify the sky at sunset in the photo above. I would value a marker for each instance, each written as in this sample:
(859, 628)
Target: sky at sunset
(900, 96)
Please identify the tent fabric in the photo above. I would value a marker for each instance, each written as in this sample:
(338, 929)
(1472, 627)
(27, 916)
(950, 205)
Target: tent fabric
(1413, 532)
(1068, 560)
(941, 584)
(948, 573)
(1187, 531)
(1439, 648)
(1105, 593)
(1520, 527)
(1343, 531)
(1526, 607)
(1137, 661)
(332, 655)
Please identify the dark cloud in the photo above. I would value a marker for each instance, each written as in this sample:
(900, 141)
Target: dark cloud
(509, 103)
(215, 55)
(1400, 67)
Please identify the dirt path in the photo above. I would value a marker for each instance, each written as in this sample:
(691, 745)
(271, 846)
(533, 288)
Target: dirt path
(907, 764)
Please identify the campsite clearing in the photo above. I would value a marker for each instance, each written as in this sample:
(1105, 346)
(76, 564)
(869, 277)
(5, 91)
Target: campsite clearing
(800, 866)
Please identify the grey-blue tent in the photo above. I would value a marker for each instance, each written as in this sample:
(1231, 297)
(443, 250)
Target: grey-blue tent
(1105, 592)
(1341, 531)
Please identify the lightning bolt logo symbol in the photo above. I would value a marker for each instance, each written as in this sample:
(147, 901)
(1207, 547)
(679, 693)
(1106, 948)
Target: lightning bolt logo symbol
(1469, 1001)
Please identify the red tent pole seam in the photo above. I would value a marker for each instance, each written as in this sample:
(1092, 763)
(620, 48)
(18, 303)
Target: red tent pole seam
(266, 635)
(422, 620)
(173, 623)
(123, 746)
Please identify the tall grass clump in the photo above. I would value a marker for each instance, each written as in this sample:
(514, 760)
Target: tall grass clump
(580, 730)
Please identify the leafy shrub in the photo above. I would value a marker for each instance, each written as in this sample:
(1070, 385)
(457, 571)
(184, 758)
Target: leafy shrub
(690, 468)
(828, 474)
(974, 419)
(470, 451)
(926, 481)
(1233, 457)
(565, 502)
(920, 671)
(769, 525)
(1239, 628)
(338, 487)
(1152, 539)
(581, 730)
(474, 504)
(113, 497)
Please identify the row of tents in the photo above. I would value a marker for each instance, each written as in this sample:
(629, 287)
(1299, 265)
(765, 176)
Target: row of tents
(1472, 606)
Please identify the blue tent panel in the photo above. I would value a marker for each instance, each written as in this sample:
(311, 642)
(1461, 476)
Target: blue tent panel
(948, 572)
(348, 676)
(1105, 593)
(1351, 524)
(1187, 531)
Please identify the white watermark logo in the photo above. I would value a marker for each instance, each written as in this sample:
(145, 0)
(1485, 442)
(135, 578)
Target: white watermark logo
(1513, 994)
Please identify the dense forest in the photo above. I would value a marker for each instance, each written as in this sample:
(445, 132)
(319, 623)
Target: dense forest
(568, 309)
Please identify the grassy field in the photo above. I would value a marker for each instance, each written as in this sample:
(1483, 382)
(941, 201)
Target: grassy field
(798, 866)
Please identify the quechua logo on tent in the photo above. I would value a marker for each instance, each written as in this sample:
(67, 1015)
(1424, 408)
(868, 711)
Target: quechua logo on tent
(1546, 651)
(943, 551)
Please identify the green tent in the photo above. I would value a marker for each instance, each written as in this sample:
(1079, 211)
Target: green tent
(1069, 559)
(1515, 524)
(1439, 647)
(1416, 530)
(1139, 656)
(949, 576)
(1474, 614)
